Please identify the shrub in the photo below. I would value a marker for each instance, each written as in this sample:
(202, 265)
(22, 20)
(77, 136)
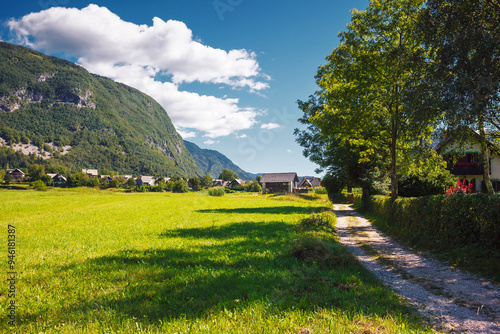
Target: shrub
(254, 187)
(180, 186)
(310, 248)
(460, 188)
(339, 198)
(321, 190)
(218, 191)
(454, 221)
(39, 185)
(319, 221)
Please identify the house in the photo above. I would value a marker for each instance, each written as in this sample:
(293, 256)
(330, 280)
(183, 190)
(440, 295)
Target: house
(236, 183)
(90, 172)
(106, 178)
(217, 182)
(279, 182)
(16, 174)
(59, 180)
(145, 181)
(468, 166)
(308, 182)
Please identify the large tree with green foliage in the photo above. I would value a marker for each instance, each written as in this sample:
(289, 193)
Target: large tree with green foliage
(206, 180)
(340, 160)
(228, 175)
(464, 37)
(371, 87)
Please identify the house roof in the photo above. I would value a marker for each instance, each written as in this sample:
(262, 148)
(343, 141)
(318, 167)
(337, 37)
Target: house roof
(17, 170)
(147, 179)
(305, 183)
(279, 177)
(493, 148)
(312, 181)
(90, 171)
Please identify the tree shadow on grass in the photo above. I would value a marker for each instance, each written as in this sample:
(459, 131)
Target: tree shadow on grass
(268, 210)
(225, 268)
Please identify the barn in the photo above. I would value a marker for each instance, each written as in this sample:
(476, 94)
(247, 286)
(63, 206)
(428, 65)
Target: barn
(279, 182)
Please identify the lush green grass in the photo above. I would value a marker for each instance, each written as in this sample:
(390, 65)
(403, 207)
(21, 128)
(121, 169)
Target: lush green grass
(99, 261)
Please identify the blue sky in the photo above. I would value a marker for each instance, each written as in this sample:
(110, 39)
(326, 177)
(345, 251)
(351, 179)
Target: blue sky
(228, 72)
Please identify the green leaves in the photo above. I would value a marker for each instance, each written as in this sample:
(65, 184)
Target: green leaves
(368, 85)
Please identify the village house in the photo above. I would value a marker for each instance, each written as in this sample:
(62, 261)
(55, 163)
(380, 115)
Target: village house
(59, 180)
(220, 183)
(309, 182)
(91, 172)
(236, 183)
(145, 181)
(468, 166)
(279, 182)
(16, 175)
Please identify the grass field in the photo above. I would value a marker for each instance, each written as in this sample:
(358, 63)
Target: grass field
(104, 262)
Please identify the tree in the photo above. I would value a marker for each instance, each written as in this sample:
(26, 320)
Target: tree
(195, 183)
(36, 172)
(39, 185)
(131, 182)
(180, 186)
(2, 175)
(161, 184)
(206, 181)
(464, 38)
(79, 179)
(369, 87)
(254, 187)
(7, 178)
(228, 175)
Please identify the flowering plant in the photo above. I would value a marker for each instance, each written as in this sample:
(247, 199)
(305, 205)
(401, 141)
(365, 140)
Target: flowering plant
(460, 188)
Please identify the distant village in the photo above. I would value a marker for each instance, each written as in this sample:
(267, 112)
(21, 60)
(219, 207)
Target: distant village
(268, 182)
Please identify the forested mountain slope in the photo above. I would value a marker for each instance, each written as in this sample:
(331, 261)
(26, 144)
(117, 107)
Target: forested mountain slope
(211, 161)
(52, 103)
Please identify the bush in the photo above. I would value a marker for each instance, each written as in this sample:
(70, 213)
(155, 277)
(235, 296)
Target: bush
(218, 191)
(321, 190)
(417, 186)
(254, 187)
(339, 198)
(311, 248)
(180, 186)
(454, 221)
(319, 221)
(39, 185)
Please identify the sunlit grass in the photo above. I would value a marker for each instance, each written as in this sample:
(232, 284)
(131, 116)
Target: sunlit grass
(97, 261)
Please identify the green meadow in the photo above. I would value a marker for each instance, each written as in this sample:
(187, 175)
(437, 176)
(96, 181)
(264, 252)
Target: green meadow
(90, 261)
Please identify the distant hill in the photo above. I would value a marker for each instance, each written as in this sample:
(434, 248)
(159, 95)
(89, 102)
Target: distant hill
(67, 117)
(211, 161)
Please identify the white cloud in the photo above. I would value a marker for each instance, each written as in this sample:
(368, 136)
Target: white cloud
(210, 142)
(289, 151)
(242, 136)
(270, 126)
(134, 54)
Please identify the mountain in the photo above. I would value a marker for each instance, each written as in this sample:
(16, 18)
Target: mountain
(211, 161)
(59, 113)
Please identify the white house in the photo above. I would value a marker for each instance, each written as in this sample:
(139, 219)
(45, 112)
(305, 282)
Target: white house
(468, 166)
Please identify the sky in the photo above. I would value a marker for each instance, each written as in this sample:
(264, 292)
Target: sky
(228, 72)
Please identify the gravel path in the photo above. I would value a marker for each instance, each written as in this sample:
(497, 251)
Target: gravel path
(453, 301)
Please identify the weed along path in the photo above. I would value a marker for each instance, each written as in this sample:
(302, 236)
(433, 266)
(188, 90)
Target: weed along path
(453, 301)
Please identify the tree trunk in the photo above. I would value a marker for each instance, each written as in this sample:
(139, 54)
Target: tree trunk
(365, 197)
(485, 157)
(394, 169)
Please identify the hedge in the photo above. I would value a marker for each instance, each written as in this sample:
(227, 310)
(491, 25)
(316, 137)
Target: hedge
(458, 220)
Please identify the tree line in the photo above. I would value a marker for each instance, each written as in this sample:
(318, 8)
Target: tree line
(406, 73)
